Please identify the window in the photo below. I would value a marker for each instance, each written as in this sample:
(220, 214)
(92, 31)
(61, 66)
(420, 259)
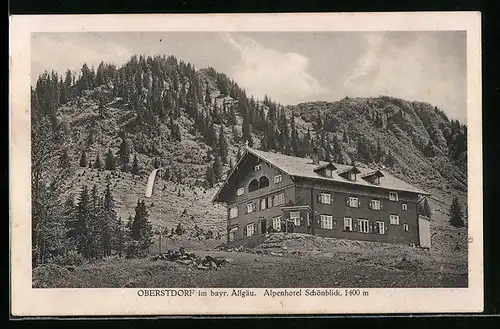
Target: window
(326, 222)
(380, 228)
(233, 234)
(233, 212)
(375, 204)
(258, 167)
(394, 219)
(263, 204)
(277, 223)
(352, 176)
(250, 207)
(250, 230)
(269, 202)
(376, 180)
(405, 227)
(240, 191)
(326, 198)
(279, 199)
(393, 196)
(404, 206)
(295, 217)
(253, 186)
(363, 225)
(328, 172)
(348, 224)
(353, 202)
(263, 182)
(278, 179)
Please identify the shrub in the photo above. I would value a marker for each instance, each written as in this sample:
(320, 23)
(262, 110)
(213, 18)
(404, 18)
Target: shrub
(70, 258)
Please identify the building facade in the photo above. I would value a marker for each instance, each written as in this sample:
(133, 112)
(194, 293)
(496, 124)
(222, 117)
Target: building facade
(268, 192)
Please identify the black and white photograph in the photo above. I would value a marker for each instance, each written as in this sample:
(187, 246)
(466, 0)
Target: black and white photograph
(323, 162)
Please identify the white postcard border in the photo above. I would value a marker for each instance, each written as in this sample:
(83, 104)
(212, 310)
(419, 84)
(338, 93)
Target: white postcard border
(27, 301)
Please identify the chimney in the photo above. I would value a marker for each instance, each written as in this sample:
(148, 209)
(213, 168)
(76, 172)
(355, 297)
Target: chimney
(315, 156)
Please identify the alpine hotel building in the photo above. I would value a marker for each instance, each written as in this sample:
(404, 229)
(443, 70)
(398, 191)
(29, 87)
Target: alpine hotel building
(267, 190)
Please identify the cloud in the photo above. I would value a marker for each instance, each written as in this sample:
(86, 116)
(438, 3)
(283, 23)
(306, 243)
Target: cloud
(413, 68)
(60, 51)
(283, 76)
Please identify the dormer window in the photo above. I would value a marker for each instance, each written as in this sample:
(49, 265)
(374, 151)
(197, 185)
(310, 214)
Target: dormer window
(350, 173)
(325, 170)
(374, 177)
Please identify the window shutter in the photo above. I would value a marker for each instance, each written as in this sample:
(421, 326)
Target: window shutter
(359, 203)
(302, 219)
(246, 210)
(269, 202)
(369, 205)
(347, 201)
(331, 198)
(245, 230)
(381, 205)
(354, 225)
(319, 197)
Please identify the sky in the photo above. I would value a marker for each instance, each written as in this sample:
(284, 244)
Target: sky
(290, 67)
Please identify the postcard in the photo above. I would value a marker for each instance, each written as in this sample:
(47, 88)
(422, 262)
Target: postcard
(240, 164)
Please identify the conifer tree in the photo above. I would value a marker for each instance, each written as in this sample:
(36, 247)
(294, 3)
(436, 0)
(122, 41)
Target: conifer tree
(110, 161)
(97, 162)
(108, 221)
(379, 154)
(124, 152)
(209, 176)
(429, 149)
(141, 229)
(83, 159)
(238, 155)
(230, 165)
(456, 215)
(246, 130)
(64, 160)
(223, 148)
(82, 223)
(217, 168)
(135, 166)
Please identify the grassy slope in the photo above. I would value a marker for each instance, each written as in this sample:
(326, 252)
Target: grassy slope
(336, 263)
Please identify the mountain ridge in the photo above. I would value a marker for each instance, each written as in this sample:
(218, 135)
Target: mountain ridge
(172, 115)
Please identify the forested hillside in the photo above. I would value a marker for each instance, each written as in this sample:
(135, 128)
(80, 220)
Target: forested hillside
(97, 133)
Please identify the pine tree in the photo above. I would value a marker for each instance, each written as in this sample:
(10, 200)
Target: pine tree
(120, 237)
(135, 166)
(64, 160)
(429, 149)
(209, 176)
(82, 223)
(108, 222)
(124, 152)
(246, 130)
(141, 229)
(230, 165)
(379, 154)
(83, 159)
(110, 161)
(456, 215)
(97, 162)
(223, 148)
(217, 168)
